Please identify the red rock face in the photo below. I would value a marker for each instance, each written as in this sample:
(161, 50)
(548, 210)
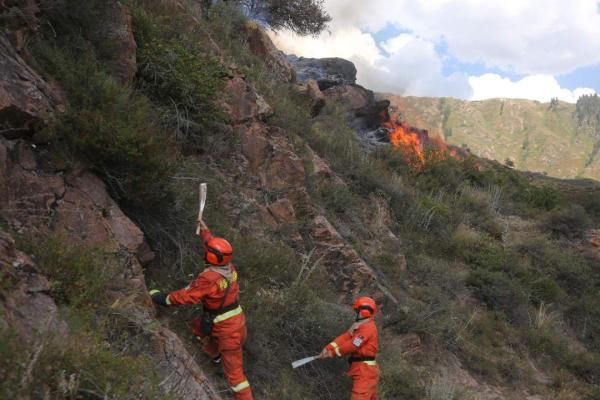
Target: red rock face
(341, 260)
(25, 98)
(26, 306)
(76, 203)
(38, 200)
(261, 45)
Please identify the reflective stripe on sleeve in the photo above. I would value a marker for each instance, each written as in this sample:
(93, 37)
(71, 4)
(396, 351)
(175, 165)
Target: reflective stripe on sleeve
(228, 314)
(240, 386)
(336, 348)
(168, 300)
(371, 362)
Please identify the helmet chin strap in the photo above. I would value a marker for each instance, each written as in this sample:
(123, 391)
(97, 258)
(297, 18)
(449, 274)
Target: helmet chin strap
(358, 317)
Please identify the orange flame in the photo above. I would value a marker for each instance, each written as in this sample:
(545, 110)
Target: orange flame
(414, 142)
(408, 142)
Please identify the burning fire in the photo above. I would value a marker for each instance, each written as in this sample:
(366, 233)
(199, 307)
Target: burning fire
(415, 144)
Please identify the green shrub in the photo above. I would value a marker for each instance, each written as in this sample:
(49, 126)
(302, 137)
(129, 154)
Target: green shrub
(482, 252)
(585, 365)
(106, 125)
(178, 74)
(584, 316)
(570, 222)
(544, 290)
(94, 352)
(544, 198)
(338, 199)
(80, 366)
(78, 275)
(500, 292)
(400, 381)
(487, 347)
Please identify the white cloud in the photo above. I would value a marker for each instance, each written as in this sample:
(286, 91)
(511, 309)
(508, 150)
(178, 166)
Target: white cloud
(527, 36)
(412, 66)
(535, 38)
(534, 87)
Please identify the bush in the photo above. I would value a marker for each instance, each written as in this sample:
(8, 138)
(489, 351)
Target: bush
(500, 293)
(544, 198)
(84, 366)
(585, 365)
(93, 353)
(105, 125)
(570, 222)
(482, 252)
(178, 74)
(488, 346)
(78, 275)
(400, 381)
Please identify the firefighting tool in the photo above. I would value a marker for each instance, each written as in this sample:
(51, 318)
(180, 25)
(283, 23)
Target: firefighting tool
(299, 363)
(202, 202)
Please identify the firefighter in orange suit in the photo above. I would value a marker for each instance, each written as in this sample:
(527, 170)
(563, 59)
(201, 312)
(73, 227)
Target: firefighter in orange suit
(222, 327)
(361, 343)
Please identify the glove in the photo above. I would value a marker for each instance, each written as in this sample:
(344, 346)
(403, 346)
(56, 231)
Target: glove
(159, 298)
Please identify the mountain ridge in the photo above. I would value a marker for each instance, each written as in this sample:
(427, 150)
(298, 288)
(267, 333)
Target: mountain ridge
(531, 136)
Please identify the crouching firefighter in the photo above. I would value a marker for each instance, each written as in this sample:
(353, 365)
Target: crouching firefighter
(222, 328)
(361, 343)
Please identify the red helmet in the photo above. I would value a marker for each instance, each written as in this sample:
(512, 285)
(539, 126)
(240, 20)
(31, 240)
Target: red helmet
(218, 251)
(365, 307)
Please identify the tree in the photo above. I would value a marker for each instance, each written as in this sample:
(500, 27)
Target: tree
(304, 17)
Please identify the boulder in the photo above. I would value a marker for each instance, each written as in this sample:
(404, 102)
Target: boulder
(243, 102)
(353, 96)
(283, 211)
(260, 45)
(272, 158)
(350, 273)
(183, 378)
(327, 72)
(310, 90)
(25, 98)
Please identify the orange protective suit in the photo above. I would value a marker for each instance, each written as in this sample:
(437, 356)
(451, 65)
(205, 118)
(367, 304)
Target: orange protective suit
(361, 343)
(229, 329)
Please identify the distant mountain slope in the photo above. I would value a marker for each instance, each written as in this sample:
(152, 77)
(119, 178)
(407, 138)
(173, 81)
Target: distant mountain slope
(534, 135)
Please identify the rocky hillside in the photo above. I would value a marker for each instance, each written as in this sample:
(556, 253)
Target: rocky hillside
(111, 114)
(533, 136)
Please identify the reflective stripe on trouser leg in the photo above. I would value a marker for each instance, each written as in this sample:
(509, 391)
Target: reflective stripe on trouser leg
(240, 386)
(234, 372)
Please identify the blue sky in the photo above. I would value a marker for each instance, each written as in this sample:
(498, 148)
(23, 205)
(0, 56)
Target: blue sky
(471, 49)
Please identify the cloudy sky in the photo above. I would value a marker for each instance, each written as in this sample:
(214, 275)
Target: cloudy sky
(470, 49)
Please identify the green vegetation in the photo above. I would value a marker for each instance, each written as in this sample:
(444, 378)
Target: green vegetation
(97, 353)
(556, 138)
(106, 124)
(178, 75)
